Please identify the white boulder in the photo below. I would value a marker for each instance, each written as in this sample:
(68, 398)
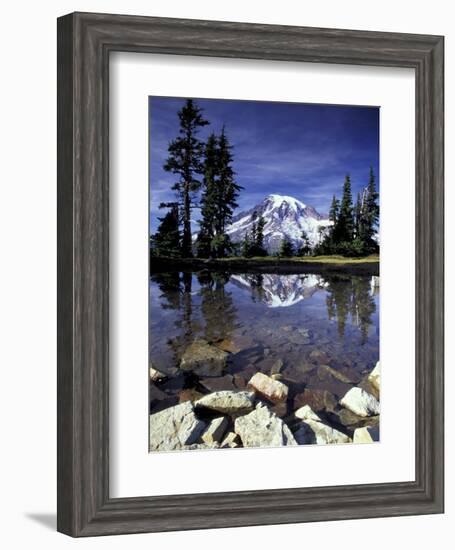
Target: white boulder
(307, 413)
(174, 428)
(215, 431)
(368, 434)
(228, 402)
(313, 431)
(261, 428)
(375, 376)
(360, 402)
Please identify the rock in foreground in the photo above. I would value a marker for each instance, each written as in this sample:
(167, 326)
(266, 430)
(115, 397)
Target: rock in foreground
(375, 376)
(230, 441)
(314, 431)
(261, 428)
(203, 359)
(156, 375)
(215, 431)
(174, 428)
(360, 402)
(273, 389)
(368, 434)
(228, 402)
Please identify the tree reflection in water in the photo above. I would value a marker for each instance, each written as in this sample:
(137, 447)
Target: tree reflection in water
(352, 296)
(348, 299)
(217, 306)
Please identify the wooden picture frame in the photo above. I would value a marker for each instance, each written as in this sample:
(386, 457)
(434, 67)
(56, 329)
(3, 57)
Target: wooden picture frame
(84, 44)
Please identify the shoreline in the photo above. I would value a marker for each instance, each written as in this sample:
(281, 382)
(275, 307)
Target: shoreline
(310, 264)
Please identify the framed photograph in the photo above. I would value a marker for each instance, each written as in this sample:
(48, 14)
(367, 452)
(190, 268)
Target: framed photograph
(250, 284)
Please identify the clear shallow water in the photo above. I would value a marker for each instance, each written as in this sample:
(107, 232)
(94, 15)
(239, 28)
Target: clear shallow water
(302, 320)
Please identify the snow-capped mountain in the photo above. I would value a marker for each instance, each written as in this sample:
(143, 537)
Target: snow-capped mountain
(280, 290)
(285, 217)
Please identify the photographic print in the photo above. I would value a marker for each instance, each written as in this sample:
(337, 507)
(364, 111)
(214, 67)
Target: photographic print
(264, 274)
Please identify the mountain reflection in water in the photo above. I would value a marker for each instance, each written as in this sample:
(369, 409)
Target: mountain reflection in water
(338, 312)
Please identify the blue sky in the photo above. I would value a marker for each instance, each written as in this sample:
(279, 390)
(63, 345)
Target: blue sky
(302, 150)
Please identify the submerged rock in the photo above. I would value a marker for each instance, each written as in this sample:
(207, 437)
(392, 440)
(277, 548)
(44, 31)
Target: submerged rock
(348, 418)
(277, 367)
(274, 390)
(375, 376)
(368, 434)
(218, 384)
(174, 428)
(318, 400)
(156, 394)
(189, 395)
(313, 431)
(215, 431)
(324, 372)
(360, 402)
(228, 402)
(203, 359)
(261, 428)
(228, 345)
(319, 356)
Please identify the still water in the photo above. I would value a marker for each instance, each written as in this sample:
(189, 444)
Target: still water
(299, 320)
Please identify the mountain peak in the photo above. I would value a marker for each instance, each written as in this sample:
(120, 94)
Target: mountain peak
(278, 200)
(285, 217)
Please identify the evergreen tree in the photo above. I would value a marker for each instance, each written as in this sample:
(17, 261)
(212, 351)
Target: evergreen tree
(226, 198)
(185, 160)
(334, 210)
(286, 248)
(358, 217)
(208, 200)
(371, 211)
(344, 227)
(246, 245)
(259, 244)
(166, 241)
(255, 240)
(219, 198)
(305, 248)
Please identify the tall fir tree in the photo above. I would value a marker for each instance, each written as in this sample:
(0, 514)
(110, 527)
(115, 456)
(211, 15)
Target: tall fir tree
(208, 199)
(371, 211)
(228, 192)
(358, 217)
(334, 210)
(185, 160)
(344, 227)
(219, 198)
(260, 250)
(166, 241)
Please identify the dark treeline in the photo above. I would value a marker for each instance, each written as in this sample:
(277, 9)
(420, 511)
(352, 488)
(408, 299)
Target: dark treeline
(205, 179)
(353, 228)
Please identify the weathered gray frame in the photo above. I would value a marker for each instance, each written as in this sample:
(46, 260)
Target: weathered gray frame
(84, 43)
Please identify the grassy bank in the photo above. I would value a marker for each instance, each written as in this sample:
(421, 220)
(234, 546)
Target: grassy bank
(307, 264)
